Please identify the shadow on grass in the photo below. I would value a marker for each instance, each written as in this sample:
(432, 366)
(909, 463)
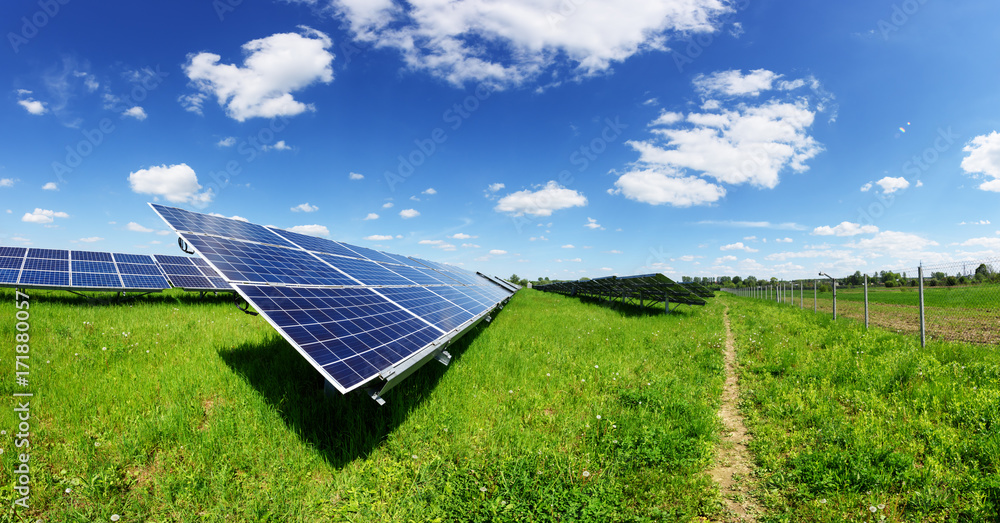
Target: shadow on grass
(341, 427)
(106, 299)
(630, 310)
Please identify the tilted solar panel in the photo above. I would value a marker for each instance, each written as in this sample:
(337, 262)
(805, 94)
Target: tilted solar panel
(356, 314)
(79, 270)
(192, 274)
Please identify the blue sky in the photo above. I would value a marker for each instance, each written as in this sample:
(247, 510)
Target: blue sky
(559, 138)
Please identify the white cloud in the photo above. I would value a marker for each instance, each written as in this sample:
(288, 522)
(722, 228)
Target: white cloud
(743, 143)
(494, 187)
(91, 239)
(866, 187)
(273, 68)
(414, 198)
(508, 43)
(33, 106)
(462, 236)
(409, 213)
(305, 207)
(497, 252)
(7, 182)
(784, 240)
(136, 112)
(228, 141)
(470, 245)
(726, 259)
(890, 185)
(429, 190)
(980, 222)
(592, 224)
(614, 251)
(569, 246)
(438, 244)
(379, 237)
(280, 145)
(538, 238)
(894, 244)
(371, 216)
(735, 83)
(845, 229)
(787, 226)
(311, 230)
(135, 227)
(738, 246)
(50, 186)
(984, 159)
(234, 217)
(657, 187)
(667, 118)
(177, 183)
(551, 197)
(42, 216)
(357, 176)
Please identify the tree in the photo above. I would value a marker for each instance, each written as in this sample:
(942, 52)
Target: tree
(686, 279)
(984, 272)
(737, 280)
(515, 279)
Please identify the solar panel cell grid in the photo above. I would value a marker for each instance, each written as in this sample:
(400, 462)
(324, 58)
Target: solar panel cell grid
(10, 262)
(46, 264)
(429, 306)
(44, 278)
(255, 263)
(17, 252)
(96, 280)
(367, 272)
(93, 266)
(312, 243)
(182, 220)
(136, 281)
(52, 254)
(91, 256)
(9, 275)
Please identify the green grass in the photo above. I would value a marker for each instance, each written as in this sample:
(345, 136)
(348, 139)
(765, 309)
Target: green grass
(846, 419)
(986, 296)
(170, 408)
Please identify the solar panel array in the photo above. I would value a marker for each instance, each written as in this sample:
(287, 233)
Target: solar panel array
(28, 267)
(358, 315)
(190, 273)
(641, 289)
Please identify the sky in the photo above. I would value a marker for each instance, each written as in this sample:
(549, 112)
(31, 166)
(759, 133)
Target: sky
(543, 138)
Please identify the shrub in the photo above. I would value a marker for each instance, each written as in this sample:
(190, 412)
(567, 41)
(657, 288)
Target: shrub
(952, 280)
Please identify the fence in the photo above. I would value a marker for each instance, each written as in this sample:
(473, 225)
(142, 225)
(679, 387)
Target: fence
(955, 301)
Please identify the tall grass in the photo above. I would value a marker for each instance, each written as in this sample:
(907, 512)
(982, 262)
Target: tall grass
(170, 408)
(852, 424)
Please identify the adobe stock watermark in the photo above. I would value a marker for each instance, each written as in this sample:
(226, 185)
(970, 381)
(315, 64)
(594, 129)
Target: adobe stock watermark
(95, 136)
(32, 25)
(22, 400)
(424, 148)
(694, 46)
(901, 14)
(916, 166)
(581, 158)
(249, 149)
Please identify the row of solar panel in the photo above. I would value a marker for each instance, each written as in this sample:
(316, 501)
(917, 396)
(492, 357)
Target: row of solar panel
(393, 310)
(653, 287)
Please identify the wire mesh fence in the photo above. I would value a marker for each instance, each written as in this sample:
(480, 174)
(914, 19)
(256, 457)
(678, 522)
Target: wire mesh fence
(957, 301)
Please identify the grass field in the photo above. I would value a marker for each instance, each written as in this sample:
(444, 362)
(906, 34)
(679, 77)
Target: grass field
(171, 408)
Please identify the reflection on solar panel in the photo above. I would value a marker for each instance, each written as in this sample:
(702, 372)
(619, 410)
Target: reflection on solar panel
(191, 274)
(79, 270)
(361, 317)
(639, 290)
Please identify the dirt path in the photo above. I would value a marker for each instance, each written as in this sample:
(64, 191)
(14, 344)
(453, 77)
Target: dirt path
(732, 463)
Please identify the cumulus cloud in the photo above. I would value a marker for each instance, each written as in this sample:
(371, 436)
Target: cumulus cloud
(983, 159)
(50, 186)
(735, 144)
(379, 237)
(494, 187)
(357, 176)
(592, 224)
(429, 190)
(462, 236)
(508, 43)
(91, 239)
(33, 106)
(42, 216)
(890, 184)
(273, 68)
(311, 230)
(845, 229)
(135, 227)
(305, 207)
(409, 213)
(497, 252)
(228, 141)
(176, 183)
(280, 145)
(135, 112)
(569, 246)
(438, 244)
(371, 216)
(894, 244)
(738, 246)
(541, 202)
(7, 182)
(387, 205)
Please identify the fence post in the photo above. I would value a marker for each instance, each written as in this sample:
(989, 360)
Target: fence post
(866, 302)
(834, 298)
(814, 296)
(802, 295)
(923, 332)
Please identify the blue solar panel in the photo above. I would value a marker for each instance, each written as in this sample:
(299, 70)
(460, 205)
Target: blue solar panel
(371, 254)
(139, 282)
(429, 306)
(91, 256)
(44, 278)
(312, 243)
(95, 280)
(93, 266)
(9, 275)
(464, 300)
(352, 334)
(16, 252)
(185, 221)
(367, 272)
(134, 268)
(191, 273)
(254, 263)
(421, 276)
(10, 262)
(52, 254)
(45, 264)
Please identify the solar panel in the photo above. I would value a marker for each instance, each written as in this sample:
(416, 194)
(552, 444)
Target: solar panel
(192, 274)
(79, 270)
(358, 315)
(638, 289)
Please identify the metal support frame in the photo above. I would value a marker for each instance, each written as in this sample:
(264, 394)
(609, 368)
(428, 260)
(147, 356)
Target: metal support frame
(923, 323)
(866, 301)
